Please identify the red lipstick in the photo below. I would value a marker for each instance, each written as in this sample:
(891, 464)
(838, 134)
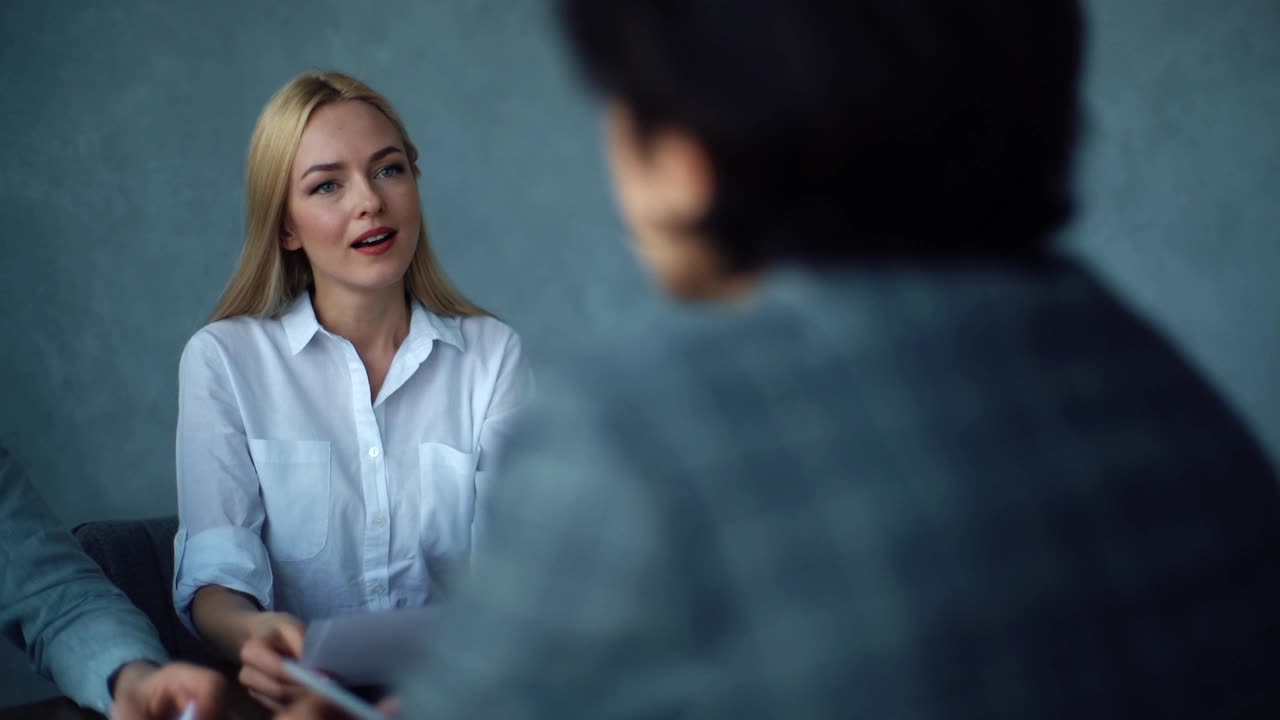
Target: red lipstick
(375, 241)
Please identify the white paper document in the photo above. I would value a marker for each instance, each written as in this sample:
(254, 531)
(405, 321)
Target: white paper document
(367, 649)
(333, 692)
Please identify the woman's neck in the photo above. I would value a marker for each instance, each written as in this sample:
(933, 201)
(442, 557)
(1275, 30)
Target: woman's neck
(375, 322)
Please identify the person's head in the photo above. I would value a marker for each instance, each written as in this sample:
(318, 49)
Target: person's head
(744, 133)
(332, 199)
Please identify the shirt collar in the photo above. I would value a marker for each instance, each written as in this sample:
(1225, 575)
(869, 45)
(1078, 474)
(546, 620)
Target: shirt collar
(300, 325)
(426, 327)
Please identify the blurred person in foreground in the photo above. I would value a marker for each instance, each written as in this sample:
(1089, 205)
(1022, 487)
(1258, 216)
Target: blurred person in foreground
(903, 459)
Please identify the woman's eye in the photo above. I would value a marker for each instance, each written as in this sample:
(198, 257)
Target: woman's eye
(391, 171)
(324, 188)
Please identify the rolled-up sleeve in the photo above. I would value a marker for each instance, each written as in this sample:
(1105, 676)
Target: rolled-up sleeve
(220, 510)
(75, 626)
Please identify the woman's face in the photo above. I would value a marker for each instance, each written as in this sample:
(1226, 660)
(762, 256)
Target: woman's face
(353, 200)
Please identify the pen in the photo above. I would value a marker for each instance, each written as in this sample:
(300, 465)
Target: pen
(332, 691)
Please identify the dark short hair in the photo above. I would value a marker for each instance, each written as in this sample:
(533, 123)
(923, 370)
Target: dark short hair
(855, 128)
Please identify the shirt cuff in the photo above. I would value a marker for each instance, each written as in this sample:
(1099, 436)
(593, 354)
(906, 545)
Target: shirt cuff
(232, 557)
(82, 658)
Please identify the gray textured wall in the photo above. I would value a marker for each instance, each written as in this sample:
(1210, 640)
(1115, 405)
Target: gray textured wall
(1181, 183)
(124, 126)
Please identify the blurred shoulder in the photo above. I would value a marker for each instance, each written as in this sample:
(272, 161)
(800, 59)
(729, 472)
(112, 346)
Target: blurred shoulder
(235, 336)
(486, 332)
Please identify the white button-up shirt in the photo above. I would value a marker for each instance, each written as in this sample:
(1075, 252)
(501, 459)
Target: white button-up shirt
(295, 488)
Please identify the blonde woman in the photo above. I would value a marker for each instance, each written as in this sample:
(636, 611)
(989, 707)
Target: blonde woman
(337, 416)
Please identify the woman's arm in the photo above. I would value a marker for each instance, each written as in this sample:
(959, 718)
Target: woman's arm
(224, 618)
(239, 630)
(220, 508)
(513, 389)
(222, 578)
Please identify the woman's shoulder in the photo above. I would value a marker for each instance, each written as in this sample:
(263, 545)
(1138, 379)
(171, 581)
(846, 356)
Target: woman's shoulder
(232, 335)
(486, 329)
(487, 336)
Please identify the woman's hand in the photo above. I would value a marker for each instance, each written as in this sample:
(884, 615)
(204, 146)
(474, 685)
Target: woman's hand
(234, 624)
(272, 638)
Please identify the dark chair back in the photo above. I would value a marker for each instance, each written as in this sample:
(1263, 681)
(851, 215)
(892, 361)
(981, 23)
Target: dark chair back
(137, 555)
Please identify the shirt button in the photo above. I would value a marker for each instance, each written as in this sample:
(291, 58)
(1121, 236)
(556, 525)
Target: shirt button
(374, 452)
(380, 521)
(379, 589)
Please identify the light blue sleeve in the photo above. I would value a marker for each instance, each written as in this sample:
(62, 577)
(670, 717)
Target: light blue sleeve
(220, 510)
(75, 626)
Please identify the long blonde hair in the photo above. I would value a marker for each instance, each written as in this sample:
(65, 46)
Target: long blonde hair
(268, 277)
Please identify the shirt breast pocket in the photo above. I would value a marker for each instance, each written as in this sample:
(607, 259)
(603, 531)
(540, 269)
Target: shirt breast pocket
(448, 492)
(293, 476)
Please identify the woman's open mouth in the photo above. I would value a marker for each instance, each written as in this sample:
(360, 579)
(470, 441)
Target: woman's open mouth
(375, 242)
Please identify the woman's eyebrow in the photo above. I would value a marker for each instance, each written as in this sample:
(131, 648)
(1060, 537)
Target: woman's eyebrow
(319, 167)
(388, 150)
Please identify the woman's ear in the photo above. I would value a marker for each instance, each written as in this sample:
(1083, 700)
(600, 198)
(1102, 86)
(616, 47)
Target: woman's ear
(289, 240)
